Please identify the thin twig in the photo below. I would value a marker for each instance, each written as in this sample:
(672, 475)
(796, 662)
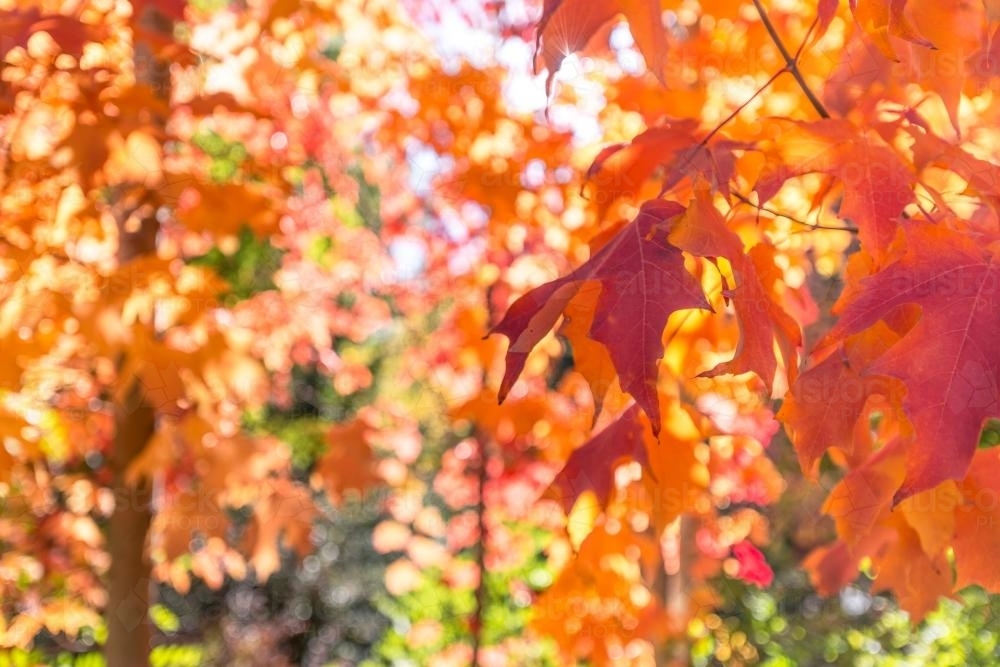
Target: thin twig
(737, 110)
(791, 65)
(805, 40)
(703, 144)
(927, 214)
(811, 225)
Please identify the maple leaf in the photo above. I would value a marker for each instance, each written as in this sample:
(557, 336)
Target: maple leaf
(877, 185)
(881, 19)
(620, 169)
(348, 463)
(954, 30)
(906, 546)
(976, 538)
(948, 360)
(824, 405)
(826, 10)
(862, 497)
(590, 358)
(763, 322)
(567, 25)
(643, 281)
(676, 478)
(930, 150)
(753, 567)
(931, 515)
(918, 581)
(592, 466)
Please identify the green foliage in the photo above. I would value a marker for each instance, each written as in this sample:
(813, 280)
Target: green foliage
(304, 436)
(453, 611)
(209, 6)
(227, 156)
(249, 270)
(432, 601)
(177, 655)
(333, 47)
(318, 250)
(21, 658)
(16, 657)
(369, 200)
(789, 624)
(164, 619)
(857, 629)
(990, 436)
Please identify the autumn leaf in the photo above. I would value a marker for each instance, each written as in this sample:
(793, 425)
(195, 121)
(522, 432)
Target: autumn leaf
(676, 477)
(620, 170)
(590, 358)
(764, 325)
(567, 25)
(895, 541)
(931, 515)
(348, 465)
(824, 405)
(592, 466)
(930, 150)
(881, 19)
(917, 580)
(954, 31)
(976, 537)
(643, 281)
(753, 567)
(876, 184)
(826, 10)
(947, 360)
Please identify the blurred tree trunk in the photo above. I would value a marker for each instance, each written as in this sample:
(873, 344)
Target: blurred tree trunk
(129, 586)
(676, 589)
(129, 632)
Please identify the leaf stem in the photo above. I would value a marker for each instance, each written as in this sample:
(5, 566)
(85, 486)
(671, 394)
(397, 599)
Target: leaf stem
(737, 110)
(703, 144)
(791, 65)
(812, 225)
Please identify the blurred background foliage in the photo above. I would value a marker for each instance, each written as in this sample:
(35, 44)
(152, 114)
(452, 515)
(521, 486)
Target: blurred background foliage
(332, 608)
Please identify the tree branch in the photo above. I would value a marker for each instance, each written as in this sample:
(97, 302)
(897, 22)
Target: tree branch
(811, 225)
(703, 144)
(791, 65)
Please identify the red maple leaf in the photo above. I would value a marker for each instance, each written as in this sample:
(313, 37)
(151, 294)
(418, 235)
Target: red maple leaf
(753, 566)
(643, 281)
(949, 360)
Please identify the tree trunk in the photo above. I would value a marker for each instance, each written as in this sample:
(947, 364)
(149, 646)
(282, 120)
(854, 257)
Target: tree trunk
(677, 600)
(129, 588)
(129, 585)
